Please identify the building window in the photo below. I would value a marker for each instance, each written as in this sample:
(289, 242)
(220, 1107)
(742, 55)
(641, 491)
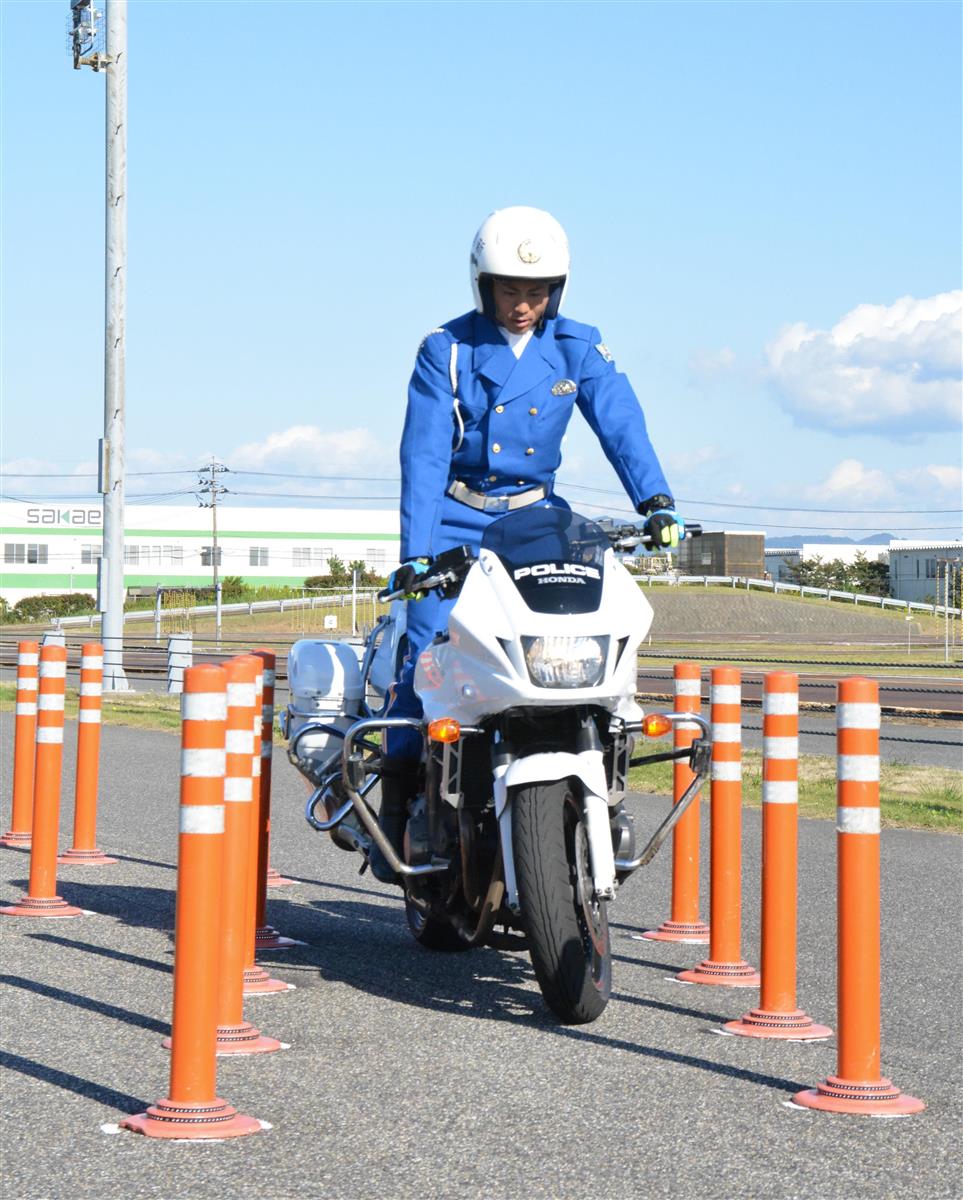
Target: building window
(90, 552)
(305, 556)
(36, 553)
(258, 556)
(207, 556)
(707, 558)
(374, 556)
(14, 552)
(931, 568)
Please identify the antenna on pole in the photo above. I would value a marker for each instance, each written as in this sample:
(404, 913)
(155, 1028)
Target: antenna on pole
(103, 46)
(208, 486)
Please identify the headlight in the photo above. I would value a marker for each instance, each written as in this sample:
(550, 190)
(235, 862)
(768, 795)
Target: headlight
(565, 662)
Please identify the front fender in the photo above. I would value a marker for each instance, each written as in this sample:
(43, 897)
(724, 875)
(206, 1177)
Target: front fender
(589, 767)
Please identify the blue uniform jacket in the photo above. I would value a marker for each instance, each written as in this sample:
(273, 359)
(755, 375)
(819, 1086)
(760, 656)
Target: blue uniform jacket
(515, 412)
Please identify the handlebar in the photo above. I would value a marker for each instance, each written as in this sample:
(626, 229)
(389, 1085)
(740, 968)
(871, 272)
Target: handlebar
(450, 568)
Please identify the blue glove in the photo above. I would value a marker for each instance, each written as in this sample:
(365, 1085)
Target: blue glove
(405, 577)
(662, 523)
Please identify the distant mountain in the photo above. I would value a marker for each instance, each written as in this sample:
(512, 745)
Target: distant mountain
(801, 539)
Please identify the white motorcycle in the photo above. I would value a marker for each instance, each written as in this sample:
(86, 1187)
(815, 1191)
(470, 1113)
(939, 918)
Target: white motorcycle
(518, 835)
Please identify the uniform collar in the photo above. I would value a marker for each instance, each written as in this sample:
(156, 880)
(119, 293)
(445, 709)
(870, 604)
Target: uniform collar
(493, 357)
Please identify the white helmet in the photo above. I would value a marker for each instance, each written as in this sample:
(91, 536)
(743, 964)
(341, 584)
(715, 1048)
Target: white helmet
(519, 243)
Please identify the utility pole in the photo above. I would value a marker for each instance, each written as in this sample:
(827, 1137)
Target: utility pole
(210, 487)
(89, 51)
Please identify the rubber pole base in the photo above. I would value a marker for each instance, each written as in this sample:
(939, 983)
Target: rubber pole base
(239, 1039)
(869, 1099)
(48, 906)
(722, 974)
(794, 1025)
(696, 932)
(16, 839)
(257, 981)
(276, 879)
(168, 1119)
(85, 858)
(268, 938)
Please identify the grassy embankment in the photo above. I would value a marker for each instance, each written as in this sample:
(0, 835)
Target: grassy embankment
(910, 797)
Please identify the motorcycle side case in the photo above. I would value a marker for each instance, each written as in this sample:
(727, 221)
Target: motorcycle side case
(325, 682)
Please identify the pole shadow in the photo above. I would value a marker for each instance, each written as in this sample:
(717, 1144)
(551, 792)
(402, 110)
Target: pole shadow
(106, 1096)
(138, 1020)
(104, 952)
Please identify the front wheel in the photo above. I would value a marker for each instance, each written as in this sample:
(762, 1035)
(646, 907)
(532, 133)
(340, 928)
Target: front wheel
(568, 929)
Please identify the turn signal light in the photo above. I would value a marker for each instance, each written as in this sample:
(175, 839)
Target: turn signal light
(656, 725)
(445, 729)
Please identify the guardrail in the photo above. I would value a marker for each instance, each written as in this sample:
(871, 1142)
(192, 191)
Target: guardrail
(776, 586)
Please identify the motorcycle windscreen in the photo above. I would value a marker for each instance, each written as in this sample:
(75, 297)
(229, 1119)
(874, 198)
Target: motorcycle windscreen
(554, 557)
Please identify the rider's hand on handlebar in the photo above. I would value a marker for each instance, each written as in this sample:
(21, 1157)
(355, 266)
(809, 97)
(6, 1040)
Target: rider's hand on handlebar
(662, 523)
(405, 578)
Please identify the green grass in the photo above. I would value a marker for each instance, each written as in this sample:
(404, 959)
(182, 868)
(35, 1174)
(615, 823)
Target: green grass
(911, 797)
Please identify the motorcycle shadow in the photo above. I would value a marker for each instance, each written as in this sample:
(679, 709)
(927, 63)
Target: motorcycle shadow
(368, 947)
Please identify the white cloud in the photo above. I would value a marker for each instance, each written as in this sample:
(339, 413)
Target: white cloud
(707, 364)
(306, 450)
(852, 482)
(680, 461)
(888, 369)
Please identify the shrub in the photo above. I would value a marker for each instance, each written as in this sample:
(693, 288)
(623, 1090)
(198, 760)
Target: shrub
(42, 608)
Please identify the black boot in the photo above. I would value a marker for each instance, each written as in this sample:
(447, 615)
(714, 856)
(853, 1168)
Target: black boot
(399, 784)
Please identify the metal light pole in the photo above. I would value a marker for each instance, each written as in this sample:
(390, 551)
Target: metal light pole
(85, 39)
(212, 488)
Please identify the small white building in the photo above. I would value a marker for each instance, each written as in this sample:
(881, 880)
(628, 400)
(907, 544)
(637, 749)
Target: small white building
(53, 548)
(780, 561)
(915, 571)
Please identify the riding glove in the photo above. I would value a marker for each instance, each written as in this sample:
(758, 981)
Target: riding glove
(404, 578)
(662, 523)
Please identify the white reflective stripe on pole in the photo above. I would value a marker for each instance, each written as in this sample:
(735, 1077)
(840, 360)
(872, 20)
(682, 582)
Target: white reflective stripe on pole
(202, 818)
(688, 687)
(53, 669)
(726, 732)
(780, 791)
(204, 706)
(780, 704)
(780, 747)
(726, 772)
(858, 768)
(857, 820)
(725, 693)
(91, 689)
(857, 716)
(89, 716)
(51, 702)
(203, 764)
(27, 660)
(50, 734)
(26, 709)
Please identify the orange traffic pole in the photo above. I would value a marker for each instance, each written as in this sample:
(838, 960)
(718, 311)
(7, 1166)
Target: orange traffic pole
(24, 739)
(725, 965)
(193, 1108)
(684, 924)
(84, 852)
(777, 1015)
(256, 981)
(857, 1086)
(41, 899)
(266, 936)
(234, 1034)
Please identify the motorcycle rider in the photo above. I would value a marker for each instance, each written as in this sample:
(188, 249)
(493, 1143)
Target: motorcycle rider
(489, 401)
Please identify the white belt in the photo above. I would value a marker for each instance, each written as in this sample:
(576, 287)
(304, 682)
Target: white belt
(465, 495)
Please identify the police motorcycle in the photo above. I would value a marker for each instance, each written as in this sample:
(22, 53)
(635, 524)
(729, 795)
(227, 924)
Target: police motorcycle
(517, 835)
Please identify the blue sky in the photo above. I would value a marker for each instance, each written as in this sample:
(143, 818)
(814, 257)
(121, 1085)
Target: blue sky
(763, 202)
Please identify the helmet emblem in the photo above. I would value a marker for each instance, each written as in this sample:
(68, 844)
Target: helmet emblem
(528, 253)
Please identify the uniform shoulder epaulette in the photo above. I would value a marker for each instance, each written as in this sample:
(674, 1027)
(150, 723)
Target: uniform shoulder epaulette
(431, 333)
(566, 327)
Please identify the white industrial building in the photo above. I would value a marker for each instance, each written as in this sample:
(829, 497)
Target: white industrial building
(781, 561)
(915, 571)
(53, 548)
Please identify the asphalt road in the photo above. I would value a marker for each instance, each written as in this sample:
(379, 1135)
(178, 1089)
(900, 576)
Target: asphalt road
(420, 1075)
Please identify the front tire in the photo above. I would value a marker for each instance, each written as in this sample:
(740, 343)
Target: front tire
(568, 930)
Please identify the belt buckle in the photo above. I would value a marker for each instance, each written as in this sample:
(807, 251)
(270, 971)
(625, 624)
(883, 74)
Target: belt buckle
(498, 504)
